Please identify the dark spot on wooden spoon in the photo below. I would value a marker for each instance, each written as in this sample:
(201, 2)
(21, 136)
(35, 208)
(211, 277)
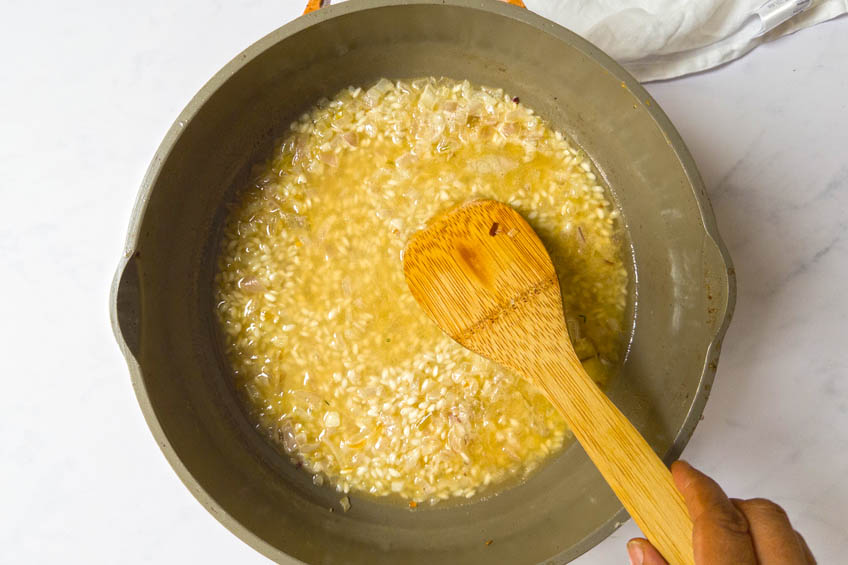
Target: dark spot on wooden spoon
(474, 265)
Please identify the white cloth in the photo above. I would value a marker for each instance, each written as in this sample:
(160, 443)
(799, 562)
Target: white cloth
(660, 39)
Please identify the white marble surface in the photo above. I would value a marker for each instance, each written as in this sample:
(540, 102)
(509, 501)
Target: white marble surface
(88, 89)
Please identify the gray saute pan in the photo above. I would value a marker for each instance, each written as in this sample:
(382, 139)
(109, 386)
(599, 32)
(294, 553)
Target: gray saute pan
(161, 301)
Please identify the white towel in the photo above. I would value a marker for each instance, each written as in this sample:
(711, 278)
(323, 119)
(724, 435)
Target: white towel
(660, 39)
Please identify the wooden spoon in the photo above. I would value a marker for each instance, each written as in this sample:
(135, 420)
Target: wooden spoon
(482, 274)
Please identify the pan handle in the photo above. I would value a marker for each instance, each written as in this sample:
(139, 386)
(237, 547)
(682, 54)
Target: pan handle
(125, 306)
(313, 5)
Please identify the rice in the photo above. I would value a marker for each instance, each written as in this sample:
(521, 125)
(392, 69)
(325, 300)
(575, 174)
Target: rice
(335, 361)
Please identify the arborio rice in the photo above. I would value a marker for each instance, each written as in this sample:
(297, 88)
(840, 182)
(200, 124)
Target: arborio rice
(336, 362)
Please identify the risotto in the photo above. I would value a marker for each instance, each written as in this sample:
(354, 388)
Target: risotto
(336, 362)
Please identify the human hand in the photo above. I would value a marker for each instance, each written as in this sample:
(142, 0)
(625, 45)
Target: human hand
(729, 531)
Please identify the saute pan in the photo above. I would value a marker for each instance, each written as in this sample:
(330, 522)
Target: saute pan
(161, 300)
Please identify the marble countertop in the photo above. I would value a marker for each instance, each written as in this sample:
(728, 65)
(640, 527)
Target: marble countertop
(89, 90)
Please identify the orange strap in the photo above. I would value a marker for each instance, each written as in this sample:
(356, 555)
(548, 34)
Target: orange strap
(312, 5)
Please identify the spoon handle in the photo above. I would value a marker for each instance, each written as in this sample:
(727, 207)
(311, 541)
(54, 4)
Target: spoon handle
(638, 477)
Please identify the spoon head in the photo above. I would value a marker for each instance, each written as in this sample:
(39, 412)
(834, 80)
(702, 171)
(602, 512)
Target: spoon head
(476, 267)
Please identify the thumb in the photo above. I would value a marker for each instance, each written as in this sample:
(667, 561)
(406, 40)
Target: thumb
(721, 533)
(641, 552)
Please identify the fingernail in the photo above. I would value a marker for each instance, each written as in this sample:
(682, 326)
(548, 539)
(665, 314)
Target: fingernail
(634, 551)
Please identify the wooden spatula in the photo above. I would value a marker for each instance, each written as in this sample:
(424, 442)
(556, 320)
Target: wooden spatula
(482, 274)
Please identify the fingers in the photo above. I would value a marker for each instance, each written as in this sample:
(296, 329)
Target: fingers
(721, 532)
(774, 539)
(641, 552)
